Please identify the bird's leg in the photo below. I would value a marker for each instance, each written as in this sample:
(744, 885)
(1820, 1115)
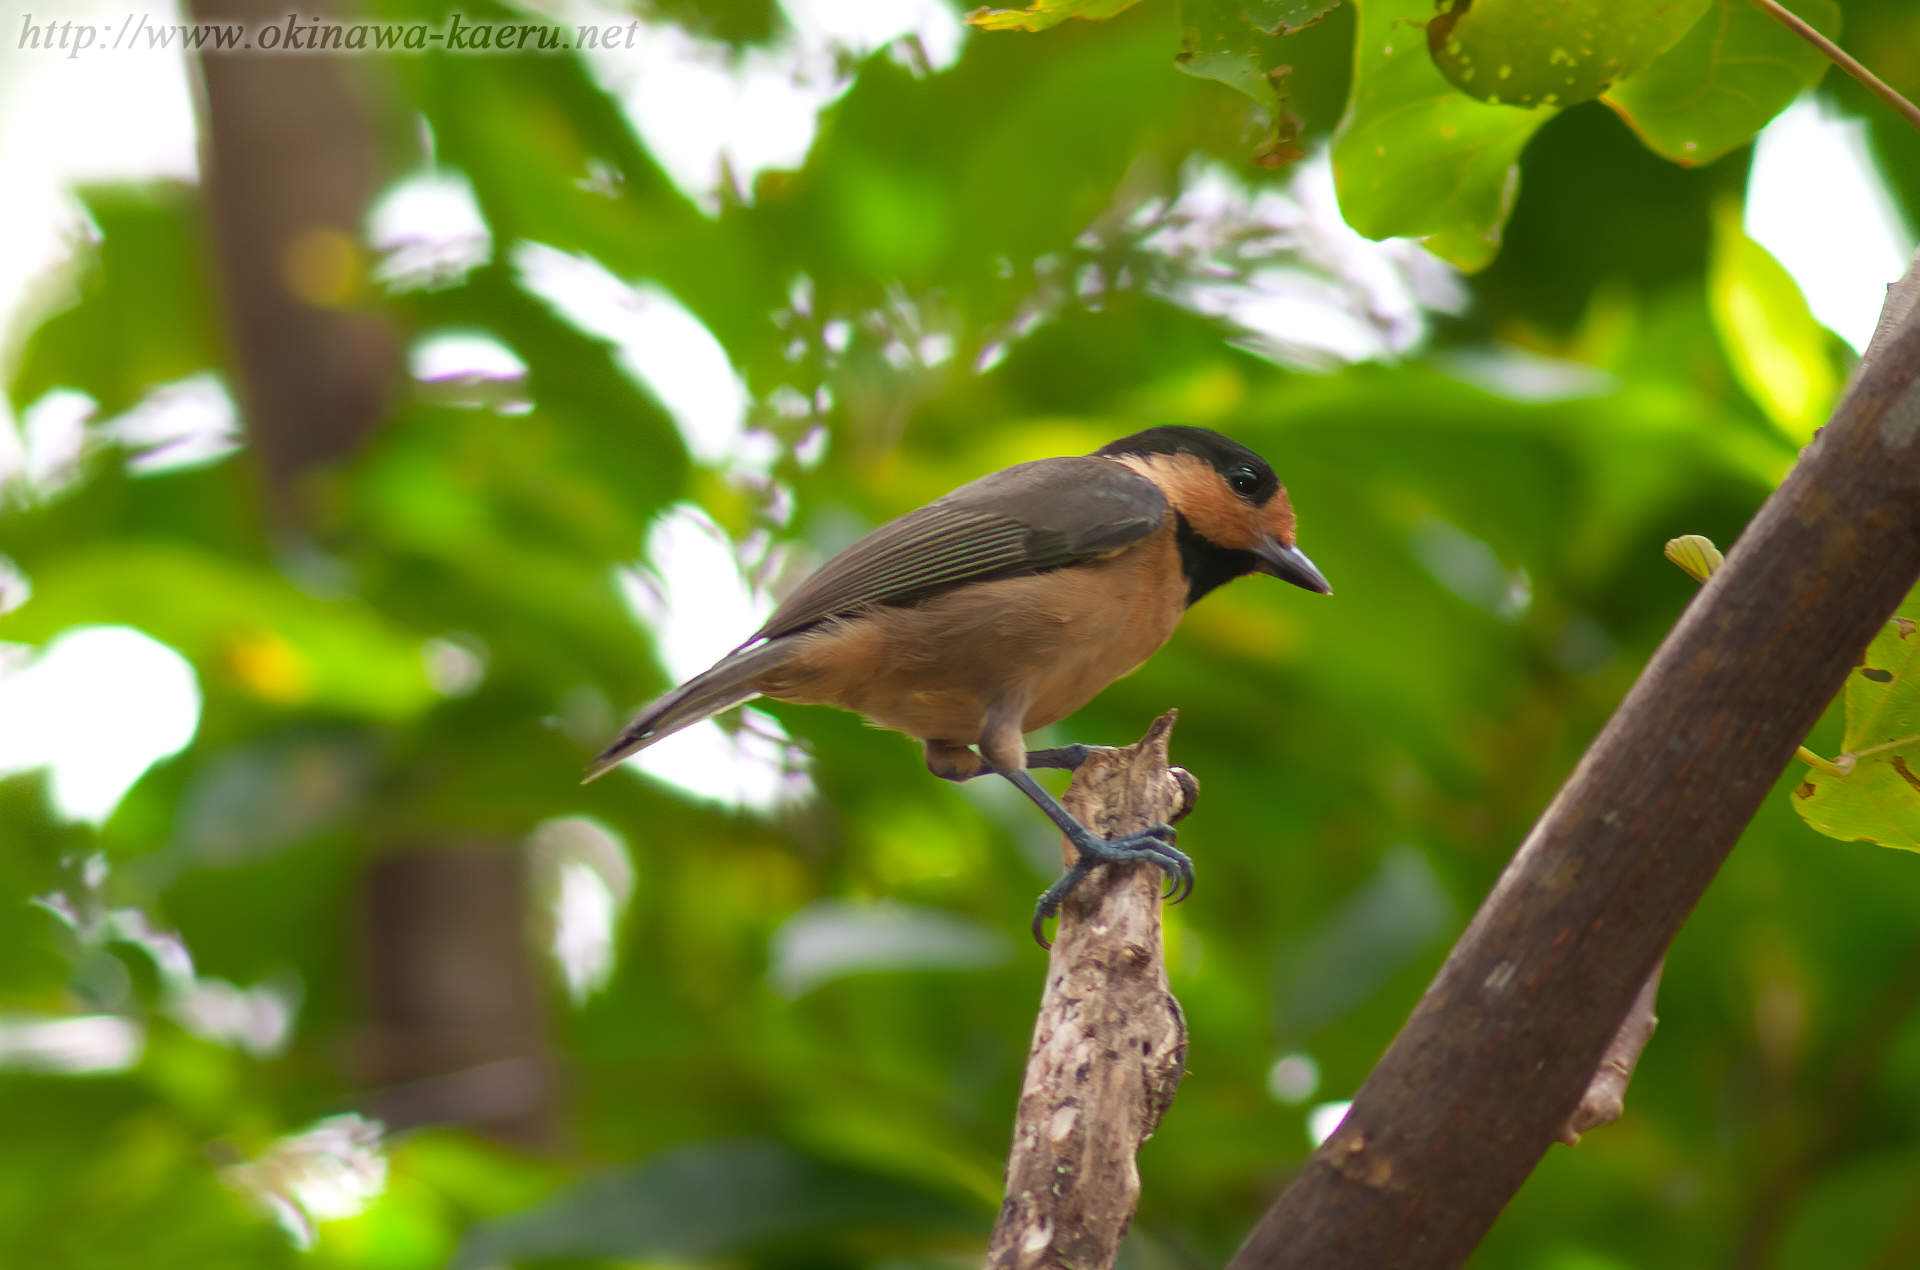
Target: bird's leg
(1002, 750)
(953, 761)
(1067, 758)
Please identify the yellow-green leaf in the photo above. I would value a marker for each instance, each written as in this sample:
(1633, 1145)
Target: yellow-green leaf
(1696, 555)
(1780, 354)
(1879, 800)
(1046, 13)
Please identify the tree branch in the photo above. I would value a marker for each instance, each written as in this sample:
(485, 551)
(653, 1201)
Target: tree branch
(292, 164)
(1496, 1055)
(1873, 83)
(1110, 1044)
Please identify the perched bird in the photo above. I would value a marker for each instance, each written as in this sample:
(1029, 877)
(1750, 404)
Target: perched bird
(1009, 604)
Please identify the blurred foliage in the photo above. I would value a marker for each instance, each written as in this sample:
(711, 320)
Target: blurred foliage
(1369, 761)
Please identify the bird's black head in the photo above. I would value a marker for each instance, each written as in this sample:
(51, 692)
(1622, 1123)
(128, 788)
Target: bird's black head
(1247, 474)
(1234, 516)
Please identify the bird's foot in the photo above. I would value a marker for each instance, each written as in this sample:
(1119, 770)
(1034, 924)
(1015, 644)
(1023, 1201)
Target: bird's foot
(1154, 846)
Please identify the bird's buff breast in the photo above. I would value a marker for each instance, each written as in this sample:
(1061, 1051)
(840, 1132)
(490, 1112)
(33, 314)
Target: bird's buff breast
(1053, 639)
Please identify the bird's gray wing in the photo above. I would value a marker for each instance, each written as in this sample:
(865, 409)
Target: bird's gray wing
(1030, 518)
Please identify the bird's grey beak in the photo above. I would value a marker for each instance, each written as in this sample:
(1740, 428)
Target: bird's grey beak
(1290, 564)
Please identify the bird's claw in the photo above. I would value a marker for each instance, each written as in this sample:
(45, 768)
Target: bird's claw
(1154, 846)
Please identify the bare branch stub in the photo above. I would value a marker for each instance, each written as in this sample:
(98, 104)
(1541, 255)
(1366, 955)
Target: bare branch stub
(1110, 1044)
(1606, 1098)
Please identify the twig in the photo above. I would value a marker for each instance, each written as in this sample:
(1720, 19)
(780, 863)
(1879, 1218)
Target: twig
(1606, 1096)
(1482, 1077)
(1110, 1044)
(1874, 84)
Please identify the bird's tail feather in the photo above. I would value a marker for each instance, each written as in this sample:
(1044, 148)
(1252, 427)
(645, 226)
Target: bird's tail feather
(706, 694)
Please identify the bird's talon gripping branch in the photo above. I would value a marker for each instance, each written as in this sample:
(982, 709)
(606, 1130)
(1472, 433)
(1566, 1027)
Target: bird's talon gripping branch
(1152, 846)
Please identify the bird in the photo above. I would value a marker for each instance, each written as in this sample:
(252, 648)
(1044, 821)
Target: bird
(1007, 605)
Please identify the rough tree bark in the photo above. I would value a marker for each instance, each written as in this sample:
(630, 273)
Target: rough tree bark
(1110, 1044)
(1487, 1069)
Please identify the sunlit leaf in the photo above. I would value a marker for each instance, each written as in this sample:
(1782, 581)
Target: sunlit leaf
(1781, 355)
(709, 1200)
(1046, 13)
(1732, 72)
(1879, 800)
(1415, 157)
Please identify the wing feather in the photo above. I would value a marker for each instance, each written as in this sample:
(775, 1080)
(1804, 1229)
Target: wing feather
(1030, 518)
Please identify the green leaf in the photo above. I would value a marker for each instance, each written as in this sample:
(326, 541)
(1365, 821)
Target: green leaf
(1553, 52)
(1218, 42)
(1046, 13)
(1736, 69)
(244, 626)
(1415, 156)
(1879, 800)
(711, 1199)
(1780, 354)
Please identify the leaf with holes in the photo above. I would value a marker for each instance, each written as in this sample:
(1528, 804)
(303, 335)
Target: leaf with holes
(1218, 41)
(1415, 157)
(1879, 800)
(1553, 52)
(1736, 69)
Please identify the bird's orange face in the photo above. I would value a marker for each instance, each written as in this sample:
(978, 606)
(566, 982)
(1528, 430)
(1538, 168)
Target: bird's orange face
(1220, 514)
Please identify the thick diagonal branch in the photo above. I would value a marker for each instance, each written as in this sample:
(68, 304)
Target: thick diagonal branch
(1493, 1060)
(1109, 1045)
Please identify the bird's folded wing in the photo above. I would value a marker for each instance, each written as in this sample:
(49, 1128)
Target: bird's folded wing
(1027, 519)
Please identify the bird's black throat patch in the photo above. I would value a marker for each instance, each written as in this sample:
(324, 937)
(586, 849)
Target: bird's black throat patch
(1207, 565)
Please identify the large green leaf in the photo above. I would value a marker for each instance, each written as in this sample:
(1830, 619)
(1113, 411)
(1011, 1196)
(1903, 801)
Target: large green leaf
(1877, 801)
(1553, 52)
(1415, 156)
(713, 1199)
(1736, 69)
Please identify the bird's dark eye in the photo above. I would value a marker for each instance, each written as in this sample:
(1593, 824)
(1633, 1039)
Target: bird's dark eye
(1243, 479)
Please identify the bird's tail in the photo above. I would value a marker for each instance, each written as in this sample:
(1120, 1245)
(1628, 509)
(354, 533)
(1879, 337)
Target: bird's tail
(706, 694)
